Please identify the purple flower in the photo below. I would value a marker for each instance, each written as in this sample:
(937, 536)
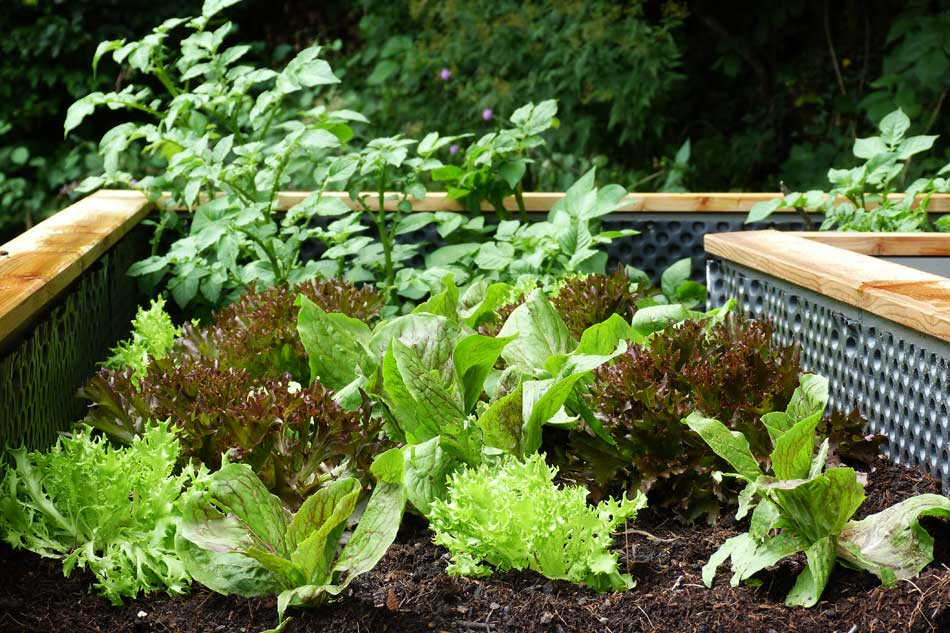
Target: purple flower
(454, 149)
(445, 74)
(487, 114)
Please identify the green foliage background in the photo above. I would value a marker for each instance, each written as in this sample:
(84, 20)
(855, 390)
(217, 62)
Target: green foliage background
(765, 92)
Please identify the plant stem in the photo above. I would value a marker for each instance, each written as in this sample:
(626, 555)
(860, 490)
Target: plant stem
(271, 255)
(520, 200)
(384, 235)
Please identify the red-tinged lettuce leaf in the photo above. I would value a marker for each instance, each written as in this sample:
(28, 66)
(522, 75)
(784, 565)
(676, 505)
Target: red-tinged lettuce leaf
(258, 332)
(292, 435)
(733, 373)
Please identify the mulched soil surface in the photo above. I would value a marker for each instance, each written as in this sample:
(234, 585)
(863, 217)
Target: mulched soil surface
(409, 591)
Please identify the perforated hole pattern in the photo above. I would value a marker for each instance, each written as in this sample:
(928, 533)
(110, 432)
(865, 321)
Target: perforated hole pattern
(900, 383)
(40, 374)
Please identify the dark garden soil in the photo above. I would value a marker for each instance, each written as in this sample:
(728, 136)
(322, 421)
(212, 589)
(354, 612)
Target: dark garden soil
(409, 591)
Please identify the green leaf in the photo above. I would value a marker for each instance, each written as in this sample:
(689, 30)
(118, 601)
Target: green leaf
(473, 358)
(375, 532)
(869, 147)
(602, 338)
(540, 332)
(446, 173)
(792, 456)
(512, 171)
(892, 544)
(502, 422)
(914, 145)
(77, 112)
(336, 345)
(818, 507)
(313, 537)
(212, 7)
(480, 300)
(762, 210)
(732, 446)
(426, 469)
(495, 256)
(893, 127)
(443, 304)
(809, 398)
(652, 319)
(812, 580)
(677, 274)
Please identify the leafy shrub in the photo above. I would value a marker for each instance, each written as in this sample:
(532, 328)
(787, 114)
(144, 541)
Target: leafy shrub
(258, 333)
(153, 335)
(236, 538)
(455, 65)
(804, 507)
(111, 510)
(219, 125)
(294, 437)
(512, 516)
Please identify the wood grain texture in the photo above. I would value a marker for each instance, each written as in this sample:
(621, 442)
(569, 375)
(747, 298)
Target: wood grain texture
(911, 297)
(639, 202)
(886, 244)
(36, 266)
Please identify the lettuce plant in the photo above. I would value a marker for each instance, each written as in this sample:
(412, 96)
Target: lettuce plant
(732, 370)
(237, 538)
(111, 510)
(511, 515)
(805, 507)
(435, 383)
(258, 332)
(585, 300)
(295, 437)
(153, 335)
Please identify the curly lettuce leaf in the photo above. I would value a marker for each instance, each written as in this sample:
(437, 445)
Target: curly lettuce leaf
(511, 515)
(111, 510)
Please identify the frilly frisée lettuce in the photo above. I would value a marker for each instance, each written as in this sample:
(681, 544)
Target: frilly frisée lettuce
(511, 515)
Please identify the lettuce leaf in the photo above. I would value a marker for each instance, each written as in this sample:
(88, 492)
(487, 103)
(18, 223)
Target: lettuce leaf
(111, 510)
(511, 515)
(237, 538)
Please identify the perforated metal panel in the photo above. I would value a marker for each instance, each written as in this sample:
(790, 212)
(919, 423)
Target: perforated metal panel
(41, 371)
(898, 378)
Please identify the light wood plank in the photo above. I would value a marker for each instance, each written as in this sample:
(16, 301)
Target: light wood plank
(914, 298)
(639, 202)
(886, 244)
(36, 266)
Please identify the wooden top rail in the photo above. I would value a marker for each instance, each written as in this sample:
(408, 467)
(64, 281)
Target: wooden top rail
(911, 297)
(886, 244)
(40, 263)
(639, 202)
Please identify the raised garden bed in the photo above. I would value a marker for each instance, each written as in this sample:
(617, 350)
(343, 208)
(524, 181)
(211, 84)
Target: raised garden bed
(53, 315)
(869, 312)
